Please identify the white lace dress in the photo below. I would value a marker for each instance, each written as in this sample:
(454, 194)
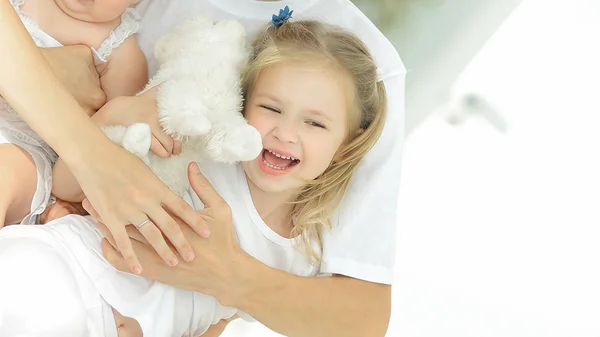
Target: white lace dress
(14, 130)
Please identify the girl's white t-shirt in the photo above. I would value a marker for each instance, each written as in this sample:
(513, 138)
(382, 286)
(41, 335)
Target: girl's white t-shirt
(362, 242)
(253, 234)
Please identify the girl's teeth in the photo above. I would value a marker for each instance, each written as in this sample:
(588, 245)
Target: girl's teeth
(273, 166)
(280, 156)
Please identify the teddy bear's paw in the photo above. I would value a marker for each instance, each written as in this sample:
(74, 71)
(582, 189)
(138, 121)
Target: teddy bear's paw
(137, 140)
(234, 144)
(243, 143)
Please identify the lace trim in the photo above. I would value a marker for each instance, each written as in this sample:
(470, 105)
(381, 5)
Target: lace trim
(17, 3)
(6, 107)
(43, 157)
(5, 124)
(19, 138)
(130, 24)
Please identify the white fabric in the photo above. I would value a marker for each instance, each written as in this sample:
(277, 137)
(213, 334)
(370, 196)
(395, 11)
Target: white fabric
(74, 242)
(253, 234)
(14, 130)
(57, 270)
(43, 290)
(362, 242)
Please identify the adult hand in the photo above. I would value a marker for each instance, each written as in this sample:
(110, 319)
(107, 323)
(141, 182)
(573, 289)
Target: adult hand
(129, 193)
(139, 109)
(217, 269)
(74, 67)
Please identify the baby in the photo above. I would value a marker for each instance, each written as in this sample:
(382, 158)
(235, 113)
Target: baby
(108, 28)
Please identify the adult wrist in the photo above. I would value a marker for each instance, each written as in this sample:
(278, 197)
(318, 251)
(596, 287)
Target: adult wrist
(245, 276)
(78, 155)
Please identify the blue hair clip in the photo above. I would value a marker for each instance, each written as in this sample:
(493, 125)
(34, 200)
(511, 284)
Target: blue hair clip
(284, 15)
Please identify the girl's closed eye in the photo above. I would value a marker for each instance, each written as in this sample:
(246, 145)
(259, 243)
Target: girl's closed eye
(270, 108)
(316, 124)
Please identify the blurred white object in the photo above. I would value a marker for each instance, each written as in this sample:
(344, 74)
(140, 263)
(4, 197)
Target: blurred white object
(464, 106)
(499, 233)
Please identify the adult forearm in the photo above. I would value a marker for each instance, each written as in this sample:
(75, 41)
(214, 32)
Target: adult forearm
(28, 83)
(317, 306)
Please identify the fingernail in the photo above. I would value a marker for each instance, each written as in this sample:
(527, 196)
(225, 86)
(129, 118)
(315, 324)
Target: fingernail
(206, 233)
(173, 262)
(190, 256)
(137, 270)
(195, 168)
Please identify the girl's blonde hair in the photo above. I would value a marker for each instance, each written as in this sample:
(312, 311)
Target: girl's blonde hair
(313, 41)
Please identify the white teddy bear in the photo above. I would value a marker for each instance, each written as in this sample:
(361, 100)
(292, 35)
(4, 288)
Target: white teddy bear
(199, 100)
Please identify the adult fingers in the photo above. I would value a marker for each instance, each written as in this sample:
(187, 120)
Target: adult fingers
(87, 205)
(123, 244)
(113, 256)
(154, 237)
(204, 190)
(183, 211)
(135, 234)
(106, 232)
(172, 231)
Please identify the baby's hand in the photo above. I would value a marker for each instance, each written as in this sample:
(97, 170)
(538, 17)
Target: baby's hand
(59, 209)
(74, 67)
(126, 111)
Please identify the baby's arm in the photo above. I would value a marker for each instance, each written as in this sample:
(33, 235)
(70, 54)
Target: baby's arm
(126, 71)
(64, 184)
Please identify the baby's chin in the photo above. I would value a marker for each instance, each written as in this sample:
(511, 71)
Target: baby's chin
(58, 210)
(53, 212)
(83, 10)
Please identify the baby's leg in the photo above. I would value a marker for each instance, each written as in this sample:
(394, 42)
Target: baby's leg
(40, 295)
(18, 183)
